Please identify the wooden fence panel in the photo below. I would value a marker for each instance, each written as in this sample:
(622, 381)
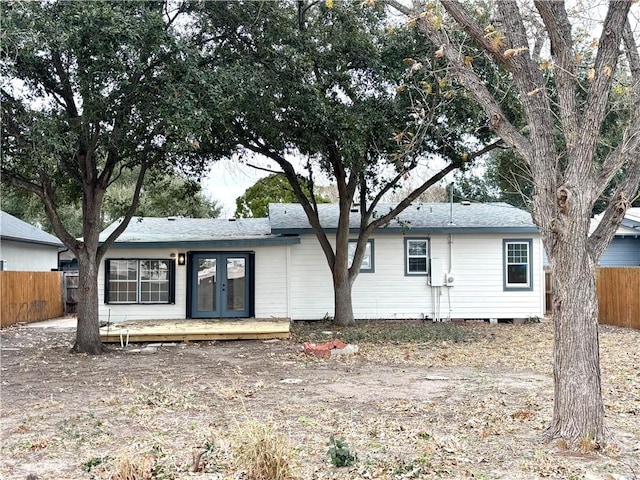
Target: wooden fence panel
(30, 296)
(619, 296)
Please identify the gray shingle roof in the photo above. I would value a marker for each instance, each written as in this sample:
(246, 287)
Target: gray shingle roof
(422, 217)
(12, 228)
(177, 229)
(289, 218)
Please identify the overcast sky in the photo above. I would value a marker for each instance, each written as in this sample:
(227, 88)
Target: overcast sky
(226, 181)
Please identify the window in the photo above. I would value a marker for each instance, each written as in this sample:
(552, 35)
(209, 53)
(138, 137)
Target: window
(139, 281)
(416, 253)
(367, 261)
(517, 264)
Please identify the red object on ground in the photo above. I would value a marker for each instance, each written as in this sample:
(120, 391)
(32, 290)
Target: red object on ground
(323, 350)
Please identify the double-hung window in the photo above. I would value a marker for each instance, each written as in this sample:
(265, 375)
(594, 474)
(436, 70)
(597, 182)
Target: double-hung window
(416, 254)
(139, 281)
(518, 274)
(367, 265)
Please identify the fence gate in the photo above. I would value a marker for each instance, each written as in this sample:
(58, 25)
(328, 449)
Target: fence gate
(70, 292)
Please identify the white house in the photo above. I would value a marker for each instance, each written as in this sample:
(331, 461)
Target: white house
(25, 247)
(436, 261)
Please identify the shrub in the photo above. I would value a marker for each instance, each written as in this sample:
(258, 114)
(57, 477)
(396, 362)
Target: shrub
(339, 452)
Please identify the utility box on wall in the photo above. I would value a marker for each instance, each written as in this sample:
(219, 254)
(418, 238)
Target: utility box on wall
(436, 278)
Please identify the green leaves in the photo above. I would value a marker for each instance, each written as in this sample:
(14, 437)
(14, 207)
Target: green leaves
(339, 452)
(272, 189)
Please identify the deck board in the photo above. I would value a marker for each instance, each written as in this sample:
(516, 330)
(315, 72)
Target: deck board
(183, 330)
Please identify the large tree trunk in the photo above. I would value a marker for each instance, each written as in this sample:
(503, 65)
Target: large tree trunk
(343, 313)
(88, 330)
(578, 410)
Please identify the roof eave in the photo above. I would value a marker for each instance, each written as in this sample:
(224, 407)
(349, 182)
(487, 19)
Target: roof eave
(416, 230)
(36, 242)
(219, 243)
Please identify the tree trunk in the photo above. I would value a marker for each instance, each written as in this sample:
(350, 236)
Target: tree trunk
(578, 410)
(343, 312)
(88, 330)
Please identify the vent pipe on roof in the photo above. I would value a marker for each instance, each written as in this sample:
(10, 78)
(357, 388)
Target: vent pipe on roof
(451, 203)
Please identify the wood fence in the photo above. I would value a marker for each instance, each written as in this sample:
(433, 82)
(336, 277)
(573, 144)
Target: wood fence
(30, 296)
(619, 296)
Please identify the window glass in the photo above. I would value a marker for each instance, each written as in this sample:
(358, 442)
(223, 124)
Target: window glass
(154, 281)
(367, 260)
(123, 281)
(417, 256)
(139, 281)
(517, 264)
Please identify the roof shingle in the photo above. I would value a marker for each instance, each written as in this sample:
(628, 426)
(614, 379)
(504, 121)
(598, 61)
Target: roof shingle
(12, 228)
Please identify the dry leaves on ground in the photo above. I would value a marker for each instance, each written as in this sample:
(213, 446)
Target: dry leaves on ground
(468, 402)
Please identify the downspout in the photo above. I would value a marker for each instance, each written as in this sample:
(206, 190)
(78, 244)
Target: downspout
(450, 247)
(450, 270)
(59, 253)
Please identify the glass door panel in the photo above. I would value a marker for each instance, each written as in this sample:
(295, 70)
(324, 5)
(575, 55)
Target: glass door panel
(206, 288)
(236, 288)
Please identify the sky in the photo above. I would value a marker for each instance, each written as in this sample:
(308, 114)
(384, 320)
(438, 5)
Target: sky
(227, 180)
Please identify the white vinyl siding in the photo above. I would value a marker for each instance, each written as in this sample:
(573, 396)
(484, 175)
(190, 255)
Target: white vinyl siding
(28, 257)
(477, 263)
(294, 281)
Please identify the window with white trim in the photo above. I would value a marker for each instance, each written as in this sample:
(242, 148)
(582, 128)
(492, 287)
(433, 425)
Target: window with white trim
(517, 264)
(139, 281)
(367, 265)
(416, 253)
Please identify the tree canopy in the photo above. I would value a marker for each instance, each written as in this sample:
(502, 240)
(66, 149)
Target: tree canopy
(92, 90)
(160, 197)
(336, 85)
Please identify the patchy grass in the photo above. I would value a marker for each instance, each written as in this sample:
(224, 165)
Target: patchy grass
(382, 332)
(418, 401)
(262, 452)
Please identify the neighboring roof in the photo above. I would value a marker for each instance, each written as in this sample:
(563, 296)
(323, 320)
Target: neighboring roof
(14, 229)
(629, 227)
(289, 218)
(172, 231)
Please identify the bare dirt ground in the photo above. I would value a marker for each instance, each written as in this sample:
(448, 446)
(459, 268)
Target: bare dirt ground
(440, 409)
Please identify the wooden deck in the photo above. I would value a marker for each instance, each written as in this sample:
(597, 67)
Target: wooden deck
(181, 330)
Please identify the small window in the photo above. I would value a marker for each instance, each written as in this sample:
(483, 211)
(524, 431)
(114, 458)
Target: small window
(517, 264)
(367, 261)
(139, 281)
(416, 252)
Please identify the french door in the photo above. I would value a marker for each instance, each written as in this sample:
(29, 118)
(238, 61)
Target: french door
(220, 285)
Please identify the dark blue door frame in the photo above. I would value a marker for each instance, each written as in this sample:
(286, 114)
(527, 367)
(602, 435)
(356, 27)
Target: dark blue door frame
(220, 284)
